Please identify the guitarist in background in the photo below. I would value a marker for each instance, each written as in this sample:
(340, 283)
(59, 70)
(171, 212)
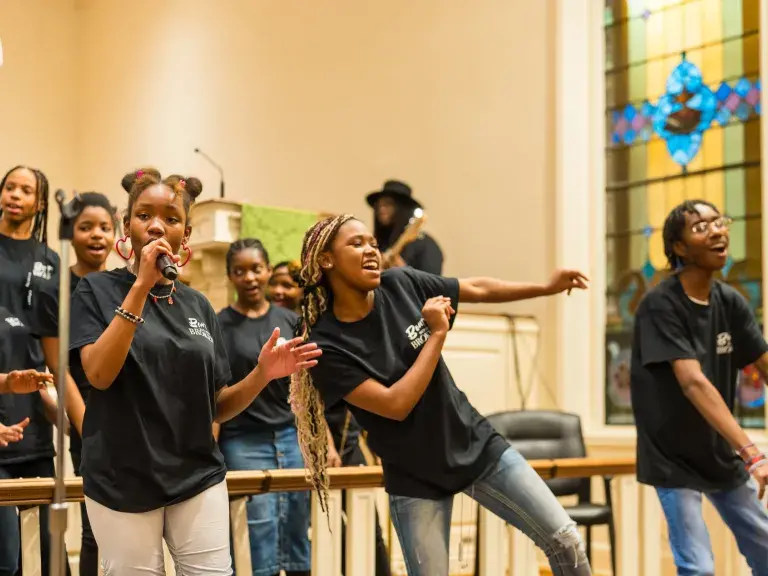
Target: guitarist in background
(393, 207)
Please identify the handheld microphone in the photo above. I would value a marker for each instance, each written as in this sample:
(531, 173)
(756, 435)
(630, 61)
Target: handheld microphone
(212, 163)
(167, 267)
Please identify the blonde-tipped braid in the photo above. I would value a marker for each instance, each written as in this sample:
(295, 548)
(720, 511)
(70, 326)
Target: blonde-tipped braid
(306, 402)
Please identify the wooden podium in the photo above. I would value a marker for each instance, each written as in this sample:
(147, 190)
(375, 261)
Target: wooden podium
(215, 225)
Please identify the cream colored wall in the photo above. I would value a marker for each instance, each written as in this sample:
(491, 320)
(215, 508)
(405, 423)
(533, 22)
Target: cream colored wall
(306, 105)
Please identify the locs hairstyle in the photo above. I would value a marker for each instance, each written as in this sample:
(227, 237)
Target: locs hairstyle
(306, 402)
(40, 224)
(674, 226)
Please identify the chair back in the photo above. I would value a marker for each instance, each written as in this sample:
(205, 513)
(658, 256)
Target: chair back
(543, 435)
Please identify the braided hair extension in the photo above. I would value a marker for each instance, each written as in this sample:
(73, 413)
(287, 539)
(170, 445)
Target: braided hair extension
(306, 402)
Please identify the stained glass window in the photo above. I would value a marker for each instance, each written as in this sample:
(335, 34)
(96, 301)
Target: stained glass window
(682, 122)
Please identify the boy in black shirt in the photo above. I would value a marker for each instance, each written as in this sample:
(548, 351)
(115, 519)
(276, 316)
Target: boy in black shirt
(692, 335)
(382, 336)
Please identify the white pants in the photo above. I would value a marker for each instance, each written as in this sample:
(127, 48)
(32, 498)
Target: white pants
(196, 531)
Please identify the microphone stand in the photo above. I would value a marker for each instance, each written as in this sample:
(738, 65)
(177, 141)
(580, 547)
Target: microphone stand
(58, 511)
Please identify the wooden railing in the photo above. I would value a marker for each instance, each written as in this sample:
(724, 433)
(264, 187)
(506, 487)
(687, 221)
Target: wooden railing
(360, 484)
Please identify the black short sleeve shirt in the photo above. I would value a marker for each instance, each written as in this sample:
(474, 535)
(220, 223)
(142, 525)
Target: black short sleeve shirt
(46, 325)
(243, 340)
(676, 447)
(147, 439)
(444, 444)
(27, 268)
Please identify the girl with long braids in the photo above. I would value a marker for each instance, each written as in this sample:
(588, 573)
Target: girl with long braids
(93, 240)
(382, 335)
(27, 267)
(263, 436)
(154, 356)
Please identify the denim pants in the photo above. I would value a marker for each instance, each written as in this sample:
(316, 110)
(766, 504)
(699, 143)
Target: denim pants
(512, 490)
(278, 522)
(10, 538)
(739, 508)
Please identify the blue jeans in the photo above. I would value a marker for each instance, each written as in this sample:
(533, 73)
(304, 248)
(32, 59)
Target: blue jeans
(278, 522)
(513, 491)
(740, 509)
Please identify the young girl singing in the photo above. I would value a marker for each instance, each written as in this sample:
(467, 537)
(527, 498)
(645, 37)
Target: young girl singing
(382, 336)
(153, 353)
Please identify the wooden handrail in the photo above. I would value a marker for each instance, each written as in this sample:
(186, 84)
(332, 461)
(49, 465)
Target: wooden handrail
(37, 491)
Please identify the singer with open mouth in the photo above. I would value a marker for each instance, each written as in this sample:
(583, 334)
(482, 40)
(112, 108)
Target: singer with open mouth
(382, 335)
(153, 353)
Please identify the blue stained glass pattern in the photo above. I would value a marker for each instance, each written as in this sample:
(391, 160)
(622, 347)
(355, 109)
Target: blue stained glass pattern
(684, 112)
(727, 268)
(648, 270)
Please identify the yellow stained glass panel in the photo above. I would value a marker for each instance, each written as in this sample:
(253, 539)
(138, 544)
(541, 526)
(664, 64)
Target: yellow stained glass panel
(713, 61)
(673, 30)
(654, 39)
(657, 158)
(655, 203)
(714, 188)
(712, 148)
(656, 250)
(713, 22)
(655, 79)
(694, 187)
(692, 22)
(674, 194)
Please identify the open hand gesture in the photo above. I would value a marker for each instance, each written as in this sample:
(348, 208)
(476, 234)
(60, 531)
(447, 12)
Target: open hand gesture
(27, 381)
(13, 433)
(279, 361)
(563, 280)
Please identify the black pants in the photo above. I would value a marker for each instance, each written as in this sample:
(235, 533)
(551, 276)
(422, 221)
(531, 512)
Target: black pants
(353, 456)
(89, 551)
(10, 532)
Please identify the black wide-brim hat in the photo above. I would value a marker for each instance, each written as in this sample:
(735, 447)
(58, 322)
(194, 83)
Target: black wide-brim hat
(399, 191)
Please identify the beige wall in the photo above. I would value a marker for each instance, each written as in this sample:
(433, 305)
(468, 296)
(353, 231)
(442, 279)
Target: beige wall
(306, 105)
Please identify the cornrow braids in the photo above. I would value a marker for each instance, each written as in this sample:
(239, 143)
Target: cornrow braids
(306, 402)
(244, 244)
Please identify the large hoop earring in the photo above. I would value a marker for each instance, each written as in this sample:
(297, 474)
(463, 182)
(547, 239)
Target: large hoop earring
(189, 254)
(123, 240)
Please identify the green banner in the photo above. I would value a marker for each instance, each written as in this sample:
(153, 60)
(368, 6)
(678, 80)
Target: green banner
(280, 230)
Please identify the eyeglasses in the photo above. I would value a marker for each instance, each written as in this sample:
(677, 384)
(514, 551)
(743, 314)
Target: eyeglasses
(716, 225)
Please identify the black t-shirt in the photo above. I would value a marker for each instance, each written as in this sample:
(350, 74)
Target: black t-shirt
(424, 254)
(336, 417)
(27, 267)
(676, 447)
(147, 439)
(243, 339)
(444, 444)
(46, 314)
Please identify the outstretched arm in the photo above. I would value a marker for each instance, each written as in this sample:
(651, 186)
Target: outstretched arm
(492, 290)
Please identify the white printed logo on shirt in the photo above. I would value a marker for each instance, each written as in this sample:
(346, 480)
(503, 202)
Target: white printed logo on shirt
(724, 345)
(15, 322)
(41, 270)
(197, 328)
(418, 334)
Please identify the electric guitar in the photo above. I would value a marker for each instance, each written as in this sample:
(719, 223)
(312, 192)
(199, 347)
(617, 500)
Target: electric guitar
(412, 232)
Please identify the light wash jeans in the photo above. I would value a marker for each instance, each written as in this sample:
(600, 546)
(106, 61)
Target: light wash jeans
(740, 509)
(513, 491)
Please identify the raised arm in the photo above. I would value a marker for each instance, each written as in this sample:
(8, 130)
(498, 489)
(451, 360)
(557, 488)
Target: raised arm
(492, 290)
(274, 362)
(103, 360)
(397, 401)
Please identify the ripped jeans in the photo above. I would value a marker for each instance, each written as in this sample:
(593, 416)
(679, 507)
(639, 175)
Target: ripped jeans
(513, 491)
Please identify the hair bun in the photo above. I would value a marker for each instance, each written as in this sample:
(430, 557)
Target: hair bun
(130, 179)
(193, 186)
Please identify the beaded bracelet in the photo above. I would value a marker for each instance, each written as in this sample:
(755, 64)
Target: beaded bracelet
(129, 316)
(756, 465)
(745, 448)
